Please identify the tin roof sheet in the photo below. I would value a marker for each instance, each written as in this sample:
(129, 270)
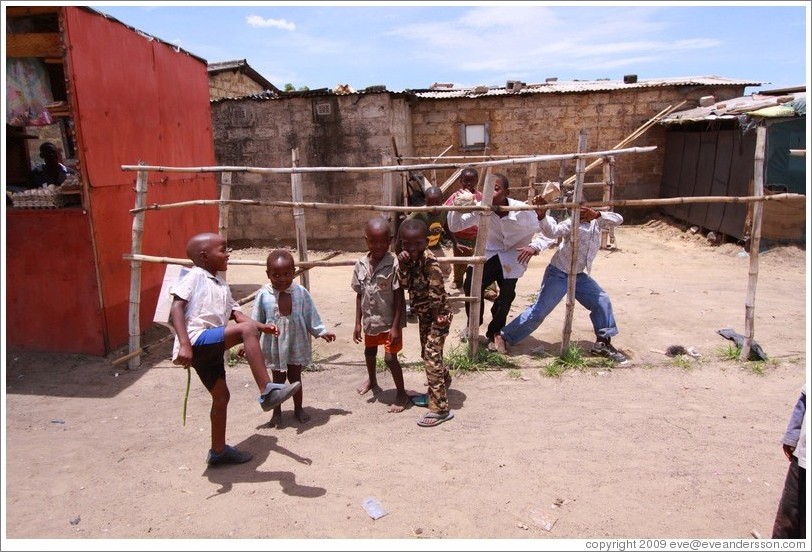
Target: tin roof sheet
(577, 86)
(732, 108)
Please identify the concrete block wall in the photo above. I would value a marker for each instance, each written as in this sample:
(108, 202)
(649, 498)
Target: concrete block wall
(262, 133)
(544, 124)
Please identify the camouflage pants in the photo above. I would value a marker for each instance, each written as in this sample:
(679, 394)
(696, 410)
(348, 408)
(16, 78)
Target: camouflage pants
(432, 340)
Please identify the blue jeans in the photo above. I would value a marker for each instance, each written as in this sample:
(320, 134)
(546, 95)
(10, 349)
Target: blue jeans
(553, 288)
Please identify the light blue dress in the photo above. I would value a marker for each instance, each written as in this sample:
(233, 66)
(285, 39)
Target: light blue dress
(292, 345)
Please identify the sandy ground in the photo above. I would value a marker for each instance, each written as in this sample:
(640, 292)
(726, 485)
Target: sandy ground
(667, 447)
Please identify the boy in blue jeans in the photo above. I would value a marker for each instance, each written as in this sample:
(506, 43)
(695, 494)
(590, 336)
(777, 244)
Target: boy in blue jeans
(202, 305)
(554, 284)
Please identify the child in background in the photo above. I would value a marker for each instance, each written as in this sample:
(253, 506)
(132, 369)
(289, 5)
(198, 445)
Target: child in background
(464, 240)
(290, 308)
(436, 224)
(419, 272)
(201, 307)
(379, 309)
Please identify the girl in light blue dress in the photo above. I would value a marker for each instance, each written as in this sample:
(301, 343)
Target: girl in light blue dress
(291, 308)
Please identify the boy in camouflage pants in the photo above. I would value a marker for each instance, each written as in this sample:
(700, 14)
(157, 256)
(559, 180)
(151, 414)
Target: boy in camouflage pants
(420, 273)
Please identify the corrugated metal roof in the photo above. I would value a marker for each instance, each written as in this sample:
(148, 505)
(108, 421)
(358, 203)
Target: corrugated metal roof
(550, 87)
(576, 86)
(241, 66)
(733, 108)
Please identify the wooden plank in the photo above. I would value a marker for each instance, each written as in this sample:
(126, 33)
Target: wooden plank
(741, 173)
(721, 175)
(704, 176)
(672, 168)
(687, 179)
(33, 45)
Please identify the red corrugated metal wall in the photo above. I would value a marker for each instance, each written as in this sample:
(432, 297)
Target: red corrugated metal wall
(133, 99)
(139, 100)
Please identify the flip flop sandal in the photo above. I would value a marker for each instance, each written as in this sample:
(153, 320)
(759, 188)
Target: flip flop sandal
(432, 419)
(420, 400)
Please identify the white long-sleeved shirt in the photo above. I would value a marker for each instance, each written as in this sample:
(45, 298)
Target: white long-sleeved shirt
(589, 239)
(506, 235)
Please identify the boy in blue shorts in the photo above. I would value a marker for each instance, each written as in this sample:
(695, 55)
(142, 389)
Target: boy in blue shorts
(202, 305)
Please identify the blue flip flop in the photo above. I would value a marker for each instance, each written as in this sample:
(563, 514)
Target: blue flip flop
(420, 400)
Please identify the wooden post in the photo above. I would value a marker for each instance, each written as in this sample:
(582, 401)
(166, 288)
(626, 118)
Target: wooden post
(580, 165)
(532, 175)
(476, 275)
(389, 190)
(608, 235)
(225, 194)
(135, 268)
(755, 242)
(299, 217)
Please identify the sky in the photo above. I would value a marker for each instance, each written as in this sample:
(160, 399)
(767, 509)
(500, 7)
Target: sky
(412, 45)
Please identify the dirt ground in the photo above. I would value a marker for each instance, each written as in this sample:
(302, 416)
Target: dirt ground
(666, 447)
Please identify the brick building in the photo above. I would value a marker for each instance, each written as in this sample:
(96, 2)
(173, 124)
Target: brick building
(358, 129)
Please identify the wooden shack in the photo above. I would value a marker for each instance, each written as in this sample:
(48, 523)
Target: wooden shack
(113, 96)
(710, 151)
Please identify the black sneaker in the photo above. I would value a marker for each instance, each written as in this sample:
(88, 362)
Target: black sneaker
(229, 456)
(277, 396)
(607, 350)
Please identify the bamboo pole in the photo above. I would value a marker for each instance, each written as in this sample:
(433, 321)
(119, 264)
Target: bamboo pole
(447, 184)
(135, 269)
(755, 243)
(575, 217)
(532, 174)
(243, 301)
(476, 275)
(225, 195)
(393, 168)
(631, 137)
(434, 171)
(353, 207)
(389, 189)
(607, 195)
(304, 264)
(299, 217)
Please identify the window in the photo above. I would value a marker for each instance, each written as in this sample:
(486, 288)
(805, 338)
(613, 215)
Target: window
(474, 137)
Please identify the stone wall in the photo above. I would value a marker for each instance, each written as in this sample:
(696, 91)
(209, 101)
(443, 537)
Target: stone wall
(232, 84)
(353, 130)
(544, 124)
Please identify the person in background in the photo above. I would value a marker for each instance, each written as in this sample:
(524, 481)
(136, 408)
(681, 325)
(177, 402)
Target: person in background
(464, 240)
(790, 520)
(51, 171)
(508, 233)
(436, 223)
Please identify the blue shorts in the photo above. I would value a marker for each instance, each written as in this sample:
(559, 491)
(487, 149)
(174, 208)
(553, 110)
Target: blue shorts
(208, 354)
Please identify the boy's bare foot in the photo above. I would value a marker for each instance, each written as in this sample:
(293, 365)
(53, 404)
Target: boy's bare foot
(401, 400)
(301, 415)
(366, 387)
(499, 344)
(276, 419)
